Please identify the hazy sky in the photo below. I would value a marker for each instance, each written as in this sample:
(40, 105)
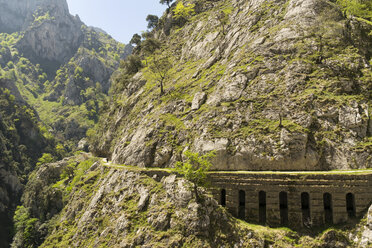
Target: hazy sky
(119, 18)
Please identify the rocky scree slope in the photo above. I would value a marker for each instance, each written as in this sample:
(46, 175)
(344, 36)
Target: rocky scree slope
(282, 85)
(80, 202)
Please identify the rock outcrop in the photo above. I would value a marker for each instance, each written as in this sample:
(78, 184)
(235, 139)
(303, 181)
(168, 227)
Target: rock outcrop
(364, 239)
(51, 36)
(52, 39)
(54, 57)
(282, 85)
(17, 15)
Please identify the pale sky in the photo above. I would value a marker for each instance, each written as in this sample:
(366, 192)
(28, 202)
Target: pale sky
(119, 18)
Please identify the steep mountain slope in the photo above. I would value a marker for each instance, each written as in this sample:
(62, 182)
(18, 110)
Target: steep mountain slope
(61, 67)
(21, 144)
(54, 79)
(17, 15)
(274, 85)
(80, 202)
(268, 84)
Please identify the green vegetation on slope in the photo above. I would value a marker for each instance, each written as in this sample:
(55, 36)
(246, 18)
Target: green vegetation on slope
(257, 92)
(69, 104)
(358, 8)
(78, 201)
(21, 143)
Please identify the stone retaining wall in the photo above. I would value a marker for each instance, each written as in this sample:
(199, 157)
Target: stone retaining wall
(295, 186)
(315, 185)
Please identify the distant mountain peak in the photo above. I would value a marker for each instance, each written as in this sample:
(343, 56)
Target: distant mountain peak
(17, 15)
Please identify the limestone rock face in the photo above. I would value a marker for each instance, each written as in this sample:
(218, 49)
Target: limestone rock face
(18, 15)
(366, 239)
(281, 91)
(93, 69)
(363, 235)
(53, 55)
(53, 36)
(198, 100)
(369, 218)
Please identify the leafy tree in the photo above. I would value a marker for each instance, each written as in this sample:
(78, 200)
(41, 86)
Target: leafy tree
(152, 20)
(26, 227)
(223, 18)
(46, 158)
(182, 12)
(359, 8)
(132, 64)
(167, 2)
(68, 171)
(136, 40)
(195, 169)
(160, 66)
(325, 32)
(146, 35)
(149, 46)
(60, 150)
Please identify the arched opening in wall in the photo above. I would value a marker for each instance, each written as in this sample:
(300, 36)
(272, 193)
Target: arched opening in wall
(223, 197)
(328, 211)
(241, 210)
(262, 207)
(350, 205)
(283, 204)
(305, 207)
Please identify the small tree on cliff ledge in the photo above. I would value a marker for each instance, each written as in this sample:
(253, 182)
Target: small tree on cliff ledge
(160, 66)
(195, 169)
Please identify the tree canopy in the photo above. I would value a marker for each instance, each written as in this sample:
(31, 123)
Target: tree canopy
(167, 2)
(359, 8)
(152, 20)
(183, 11)
(195, 168)
(136, 39)
(132, 64)
(160, 66)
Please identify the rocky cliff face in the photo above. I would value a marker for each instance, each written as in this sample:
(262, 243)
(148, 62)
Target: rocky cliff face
(57, 61)
(365, 232)
(17, 15)
(279, 85)
(52, 38)
(274, 85)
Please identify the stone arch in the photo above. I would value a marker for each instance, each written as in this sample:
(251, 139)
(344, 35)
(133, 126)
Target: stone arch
(350, 205)
(283, 205)
(223, 197)
(328, 208)
(305, 208)
(241, 209)
(262, 207)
